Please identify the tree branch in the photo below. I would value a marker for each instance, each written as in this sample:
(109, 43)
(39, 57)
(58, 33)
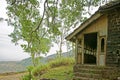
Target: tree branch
(42, 16)
(37, 28)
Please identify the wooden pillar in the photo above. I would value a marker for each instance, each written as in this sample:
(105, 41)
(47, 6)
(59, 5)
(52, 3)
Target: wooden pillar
(98, 50)
(76, 50)
(83, 49)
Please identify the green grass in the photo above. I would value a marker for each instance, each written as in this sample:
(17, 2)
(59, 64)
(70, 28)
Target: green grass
(59, 69)
(61, 61)
(59, 73)
(40, 69)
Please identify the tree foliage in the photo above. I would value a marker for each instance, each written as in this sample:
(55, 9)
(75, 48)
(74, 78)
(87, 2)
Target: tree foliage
(25, 17)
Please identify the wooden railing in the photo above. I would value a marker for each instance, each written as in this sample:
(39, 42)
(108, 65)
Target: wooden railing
(90, 51)
(87, 51)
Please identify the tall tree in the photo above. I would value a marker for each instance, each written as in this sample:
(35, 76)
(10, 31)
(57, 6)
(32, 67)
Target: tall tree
(25, 17)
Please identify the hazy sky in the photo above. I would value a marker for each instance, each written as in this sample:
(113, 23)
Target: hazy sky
(8, 51)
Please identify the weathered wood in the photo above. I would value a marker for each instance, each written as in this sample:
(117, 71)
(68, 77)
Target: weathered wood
(76, 50)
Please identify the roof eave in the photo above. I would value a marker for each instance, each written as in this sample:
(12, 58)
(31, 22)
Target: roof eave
(83, 26)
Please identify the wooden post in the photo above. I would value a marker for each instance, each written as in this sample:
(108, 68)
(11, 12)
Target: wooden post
(83, 49)
(76, 50)
(98, 50)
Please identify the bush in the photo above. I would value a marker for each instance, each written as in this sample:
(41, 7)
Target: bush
(29, 75)
(30, 68)
(61, 62)
(40, 69)
(26, 77)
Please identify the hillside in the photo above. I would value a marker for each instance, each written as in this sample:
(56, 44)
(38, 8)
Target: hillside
(44, 60)
(17, 66)
(10, 66)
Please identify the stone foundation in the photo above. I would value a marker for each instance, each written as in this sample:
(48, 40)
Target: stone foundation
(93, 72)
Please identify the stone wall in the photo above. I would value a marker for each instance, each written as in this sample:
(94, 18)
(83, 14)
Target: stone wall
(113, 40)
(93, 72)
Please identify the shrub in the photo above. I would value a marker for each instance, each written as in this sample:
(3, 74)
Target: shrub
(26, 77)
(61, 61)
(29, 75)
(30, 68)
(40, 69)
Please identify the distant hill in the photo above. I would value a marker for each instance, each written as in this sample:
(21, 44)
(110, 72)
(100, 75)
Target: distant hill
(10, 66)
(44, 60)
(17, 66)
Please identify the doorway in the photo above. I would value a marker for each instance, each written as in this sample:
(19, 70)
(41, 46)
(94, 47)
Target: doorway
(90, 48)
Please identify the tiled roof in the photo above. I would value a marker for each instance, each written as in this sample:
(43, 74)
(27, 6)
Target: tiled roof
(110, 5)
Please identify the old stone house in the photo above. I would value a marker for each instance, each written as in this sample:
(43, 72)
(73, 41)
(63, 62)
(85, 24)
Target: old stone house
(97, 42)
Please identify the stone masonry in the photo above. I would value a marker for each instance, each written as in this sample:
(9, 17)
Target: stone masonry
(113, 40)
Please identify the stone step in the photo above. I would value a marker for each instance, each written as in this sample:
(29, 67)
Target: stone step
(93, 67)
(84, 78)
(87, 75)
(87, 70)
(92, 72)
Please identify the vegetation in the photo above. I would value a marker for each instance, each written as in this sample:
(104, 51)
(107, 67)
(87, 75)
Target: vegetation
(17, 66)
(59, 66)
(52, 64)
(59, 73)
(61, 61)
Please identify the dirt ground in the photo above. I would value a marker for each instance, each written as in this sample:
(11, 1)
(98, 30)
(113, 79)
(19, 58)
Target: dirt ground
(11, 76)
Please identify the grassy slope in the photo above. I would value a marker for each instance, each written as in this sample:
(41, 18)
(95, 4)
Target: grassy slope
(59, 73)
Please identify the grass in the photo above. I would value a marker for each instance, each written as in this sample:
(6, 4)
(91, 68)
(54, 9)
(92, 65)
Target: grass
(59, 69)
(40, 69)
(61, 61)
(59, 73)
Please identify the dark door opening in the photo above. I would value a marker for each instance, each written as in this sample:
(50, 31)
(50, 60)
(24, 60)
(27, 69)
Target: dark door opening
(102, 44)
(90, 48)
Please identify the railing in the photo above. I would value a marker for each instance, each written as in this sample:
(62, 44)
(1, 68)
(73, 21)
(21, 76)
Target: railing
(90, 51)
(87, 51)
